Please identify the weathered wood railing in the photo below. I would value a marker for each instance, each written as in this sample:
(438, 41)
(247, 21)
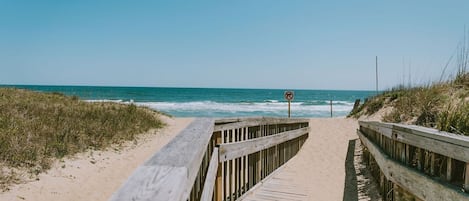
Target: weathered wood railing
(216, 159)
(416, 163)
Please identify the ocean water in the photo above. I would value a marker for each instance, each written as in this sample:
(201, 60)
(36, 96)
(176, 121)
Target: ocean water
(212, 102)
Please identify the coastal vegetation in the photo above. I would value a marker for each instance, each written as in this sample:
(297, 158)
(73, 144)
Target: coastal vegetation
(37, 128)
(441, 105)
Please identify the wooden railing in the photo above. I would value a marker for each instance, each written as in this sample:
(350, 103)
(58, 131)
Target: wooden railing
(416, 163)
(216, 159)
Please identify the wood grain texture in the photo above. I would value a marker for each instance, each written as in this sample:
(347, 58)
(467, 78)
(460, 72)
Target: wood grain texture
(148, 182)
(409, 179)
(230, 151)
(209, 184)
(383, 128)
(249, 122)
(447, 144)
(170, 173)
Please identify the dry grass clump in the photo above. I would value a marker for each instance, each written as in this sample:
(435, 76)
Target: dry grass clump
(455, 119)
(7, 178)
(372, 105)
(419, 105)
(37, 127)
(443, 105)
(462, 80)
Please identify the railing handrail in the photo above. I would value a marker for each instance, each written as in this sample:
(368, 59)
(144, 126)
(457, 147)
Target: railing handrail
(233, 150)
(171, 173)
(392, 147)
(444, 143)
(222, 124)
(461, 140)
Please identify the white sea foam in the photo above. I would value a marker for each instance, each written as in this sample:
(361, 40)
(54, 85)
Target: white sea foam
(266, 108)
(205, 108)
(271, 101)
(105, 100)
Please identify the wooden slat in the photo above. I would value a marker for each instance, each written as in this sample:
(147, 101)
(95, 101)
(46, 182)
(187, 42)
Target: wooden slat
(411, 180)
(447, 144)
(466, 178)
(449, 169)
(441, 147)
(209, 184)
(385, 129)
(461, 140)
(258, 121)
(219, 184)
(170, 173)
(230, 151)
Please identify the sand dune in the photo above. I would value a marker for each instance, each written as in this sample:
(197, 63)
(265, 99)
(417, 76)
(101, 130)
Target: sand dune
(94, 175)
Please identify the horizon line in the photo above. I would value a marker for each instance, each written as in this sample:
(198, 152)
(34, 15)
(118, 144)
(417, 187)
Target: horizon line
(180, 87)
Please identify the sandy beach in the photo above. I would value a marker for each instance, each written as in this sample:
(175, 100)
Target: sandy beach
(96, 175)
(326, 168)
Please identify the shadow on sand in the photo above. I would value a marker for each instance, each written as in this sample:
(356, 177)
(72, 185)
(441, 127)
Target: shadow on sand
(350, 187)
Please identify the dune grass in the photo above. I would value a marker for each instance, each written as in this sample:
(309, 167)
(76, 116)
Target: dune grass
(36, 128)
(444, 106)
(455, 119)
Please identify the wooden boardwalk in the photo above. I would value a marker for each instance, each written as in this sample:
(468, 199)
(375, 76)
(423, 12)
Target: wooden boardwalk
(317, 155)
(318, 171)
(280, 186)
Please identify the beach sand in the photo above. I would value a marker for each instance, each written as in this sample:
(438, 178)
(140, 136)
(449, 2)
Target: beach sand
(95, 175)
(332, 159)
(320, 168)
(326, 168)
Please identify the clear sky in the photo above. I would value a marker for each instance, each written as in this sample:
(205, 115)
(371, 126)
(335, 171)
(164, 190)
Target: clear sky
(284, 44)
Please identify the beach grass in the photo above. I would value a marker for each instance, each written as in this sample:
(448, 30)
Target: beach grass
(36, 128)
(441, 105)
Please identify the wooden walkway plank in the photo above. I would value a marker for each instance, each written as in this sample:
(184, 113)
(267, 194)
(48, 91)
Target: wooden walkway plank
(317, 172)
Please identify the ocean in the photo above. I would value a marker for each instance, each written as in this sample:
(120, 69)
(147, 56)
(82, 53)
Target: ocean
(213, 102)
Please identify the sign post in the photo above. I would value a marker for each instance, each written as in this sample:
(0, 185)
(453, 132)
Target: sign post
(289, 97)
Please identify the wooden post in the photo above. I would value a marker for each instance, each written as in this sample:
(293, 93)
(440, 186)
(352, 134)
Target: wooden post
(251, 170)
(235, 167)
(219, 181)
(419, 158)
(466, 178)
(449, 168)
(376, 75)
(259, 156)
(331, 107)
(426, 166)
(432, 163)
(289, 97)
(356, 105)
(232, 169)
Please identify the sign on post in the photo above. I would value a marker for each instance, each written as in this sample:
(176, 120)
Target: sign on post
(289, 97)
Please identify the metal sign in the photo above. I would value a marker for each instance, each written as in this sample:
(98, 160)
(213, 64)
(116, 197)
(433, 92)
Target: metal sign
(289, 95)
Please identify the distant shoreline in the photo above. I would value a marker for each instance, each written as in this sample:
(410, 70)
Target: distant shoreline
(217, 102)
(180, 87)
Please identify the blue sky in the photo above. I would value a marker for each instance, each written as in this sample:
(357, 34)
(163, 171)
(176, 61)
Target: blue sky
(236, 44)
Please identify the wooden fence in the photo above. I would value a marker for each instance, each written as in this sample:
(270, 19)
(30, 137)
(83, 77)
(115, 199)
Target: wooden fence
(416, 163)
(216, 159)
